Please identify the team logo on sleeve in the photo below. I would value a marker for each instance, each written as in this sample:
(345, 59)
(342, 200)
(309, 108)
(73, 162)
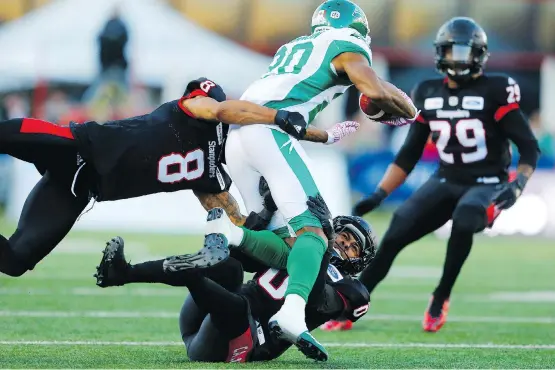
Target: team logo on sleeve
(334, 273)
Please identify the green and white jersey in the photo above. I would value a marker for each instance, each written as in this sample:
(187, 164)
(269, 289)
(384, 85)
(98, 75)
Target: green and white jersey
(302, 78)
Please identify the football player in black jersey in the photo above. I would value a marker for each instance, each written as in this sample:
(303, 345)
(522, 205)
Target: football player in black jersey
(177, 146)
(223, 320)
(471, 116)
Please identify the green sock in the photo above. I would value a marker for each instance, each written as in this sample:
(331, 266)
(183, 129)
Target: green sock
(304, 263)
(266, 247)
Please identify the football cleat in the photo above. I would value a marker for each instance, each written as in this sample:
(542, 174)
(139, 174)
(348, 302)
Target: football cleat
(215, 250)
(305, 342)
(434, 321)
(334, 325)
(113, 267)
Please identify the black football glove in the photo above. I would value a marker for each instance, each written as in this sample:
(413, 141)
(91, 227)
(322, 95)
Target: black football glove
(264, 191)
(369, 204)
(318, 207)
(509, 192)
(291, 122)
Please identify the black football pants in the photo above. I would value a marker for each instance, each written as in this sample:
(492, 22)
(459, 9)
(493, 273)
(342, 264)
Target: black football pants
(51, 208)
(215, 321)
(429, 208)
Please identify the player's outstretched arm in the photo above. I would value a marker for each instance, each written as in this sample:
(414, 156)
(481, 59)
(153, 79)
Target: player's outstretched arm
(398, 171)
(237, 112)
(246, 113)
(385, 95)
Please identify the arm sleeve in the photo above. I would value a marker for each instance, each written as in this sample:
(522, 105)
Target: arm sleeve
(507, 94)
(516, 128)
(414, 144)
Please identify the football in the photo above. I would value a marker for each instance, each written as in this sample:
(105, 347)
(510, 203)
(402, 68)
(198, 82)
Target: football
(371, 110)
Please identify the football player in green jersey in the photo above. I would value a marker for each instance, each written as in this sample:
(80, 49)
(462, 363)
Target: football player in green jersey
(305, 76)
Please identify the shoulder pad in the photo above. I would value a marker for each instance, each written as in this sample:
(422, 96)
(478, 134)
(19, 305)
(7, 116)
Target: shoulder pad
(505, 92)
(424, 90)
(356, 296)
(204, 87)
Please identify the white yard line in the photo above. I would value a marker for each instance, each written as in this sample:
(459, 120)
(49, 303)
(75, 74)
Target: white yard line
(331, 345)
(544, 297)
(174, 315)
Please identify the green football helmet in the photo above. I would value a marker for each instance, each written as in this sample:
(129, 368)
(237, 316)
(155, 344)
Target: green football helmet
(341, 14)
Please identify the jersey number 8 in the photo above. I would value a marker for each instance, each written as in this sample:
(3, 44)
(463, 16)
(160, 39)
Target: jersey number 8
(462, 128)
(183, 165)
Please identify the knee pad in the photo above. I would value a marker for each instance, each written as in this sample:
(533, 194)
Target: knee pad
(469, 219)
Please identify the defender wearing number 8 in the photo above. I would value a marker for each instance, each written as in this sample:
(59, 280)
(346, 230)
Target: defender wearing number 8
(471, 117)
(176, 147)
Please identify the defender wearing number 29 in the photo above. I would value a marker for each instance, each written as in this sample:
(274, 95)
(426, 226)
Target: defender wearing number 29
(470, 116)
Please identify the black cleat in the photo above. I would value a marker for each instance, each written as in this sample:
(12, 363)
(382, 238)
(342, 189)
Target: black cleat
(215, 250)
(113, 267)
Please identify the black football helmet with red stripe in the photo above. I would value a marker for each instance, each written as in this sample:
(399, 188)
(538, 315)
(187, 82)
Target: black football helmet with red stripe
(461, 49)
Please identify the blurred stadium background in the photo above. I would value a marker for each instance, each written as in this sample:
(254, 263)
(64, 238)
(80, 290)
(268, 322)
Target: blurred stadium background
(64, 60)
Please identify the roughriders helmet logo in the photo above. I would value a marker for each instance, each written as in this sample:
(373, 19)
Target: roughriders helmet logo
(319, 18)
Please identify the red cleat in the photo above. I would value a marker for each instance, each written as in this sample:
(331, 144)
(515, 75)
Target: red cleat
(433, 324)
(334, 325)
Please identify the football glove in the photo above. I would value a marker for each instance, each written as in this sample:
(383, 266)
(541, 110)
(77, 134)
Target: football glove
(341, 130)
(400, 121)
(509, 192)
(264, 191)
(369, 204)
(318, 207)
(292, 123)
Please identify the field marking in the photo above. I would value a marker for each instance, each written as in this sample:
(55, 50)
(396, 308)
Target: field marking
(175, 315)
(331, 345)
(546, 297)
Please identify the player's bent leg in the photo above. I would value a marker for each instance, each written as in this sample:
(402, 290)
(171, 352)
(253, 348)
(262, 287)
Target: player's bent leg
(281, 160)
(469, 217)
(48, 214)
(426, 210)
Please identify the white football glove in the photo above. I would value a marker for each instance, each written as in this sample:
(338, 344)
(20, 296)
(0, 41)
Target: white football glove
(399, 121)
(341, 130)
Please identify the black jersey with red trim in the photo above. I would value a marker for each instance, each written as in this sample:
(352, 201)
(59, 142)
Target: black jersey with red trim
(163, 151)
(466, 125)
(333, 296)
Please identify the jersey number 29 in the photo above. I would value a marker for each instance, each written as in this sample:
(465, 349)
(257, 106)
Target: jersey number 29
(470, 133)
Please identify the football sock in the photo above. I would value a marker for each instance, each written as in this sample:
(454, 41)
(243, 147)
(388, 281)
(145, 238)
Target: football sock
(304, 263)
(458, 249)
(228, 273)
(266, 247)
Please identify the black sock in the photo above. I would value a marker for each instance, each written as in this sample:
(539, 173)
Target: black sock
(458, 249)
(228, 273)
